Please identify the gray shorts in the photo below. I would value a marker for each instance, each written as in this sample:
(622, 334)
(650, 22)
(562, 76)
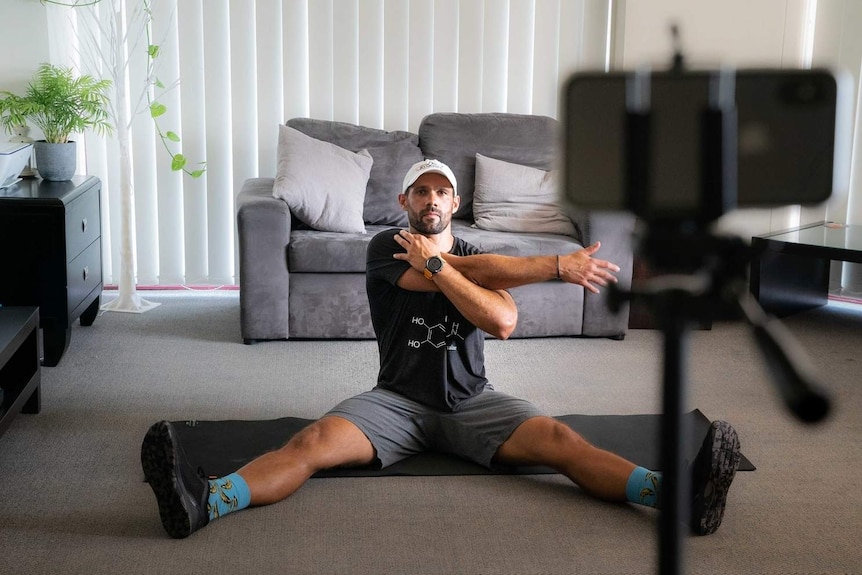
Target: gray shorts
(399, 427)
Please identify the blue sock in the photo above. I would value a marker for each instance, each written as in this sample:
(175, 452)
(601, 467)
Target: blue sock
(227, 494)
(644, 487)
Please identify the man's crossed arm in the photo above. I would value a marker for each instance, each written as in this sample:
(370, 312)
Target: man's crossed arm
(493, 271)
(477, 286)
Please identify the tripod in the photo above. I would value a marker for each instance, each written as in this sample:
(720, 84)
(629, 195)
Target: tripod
(709, 283)
(703, 274)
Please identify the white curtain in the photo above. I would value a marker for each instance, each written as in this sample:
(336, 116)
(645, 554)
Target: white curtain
(837, 43)
(246, 66)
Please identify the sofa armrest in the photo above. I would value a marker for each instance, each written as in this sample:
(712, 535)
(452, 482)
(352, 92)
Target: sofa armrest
(263, 224)
(615, 231)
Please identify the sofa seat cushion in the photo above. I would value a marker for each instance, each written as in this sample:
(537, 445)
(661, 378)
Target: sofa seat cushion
(332, 252)
(329, 252)
(515, 244)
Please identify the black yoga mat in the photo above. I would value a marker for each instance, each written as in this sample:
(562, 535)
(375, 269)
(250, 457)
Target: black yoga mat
(222, 447)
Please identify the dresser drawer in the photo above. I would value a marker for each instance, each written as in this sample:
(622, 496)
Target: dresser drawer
(83, 275)
(82, 223)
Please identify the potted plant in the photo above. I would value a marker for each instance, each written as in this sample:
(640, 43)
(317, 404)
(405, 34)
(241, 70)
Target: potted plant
(59, 104)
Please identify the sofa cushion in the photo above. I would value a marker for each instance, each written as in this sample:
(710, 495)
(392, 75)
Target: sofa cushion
(393, 153)
(515, 244)
(323, 184)
(326, 252)
(329, 306)
(455, 139)
(311, 251)
(513, 198)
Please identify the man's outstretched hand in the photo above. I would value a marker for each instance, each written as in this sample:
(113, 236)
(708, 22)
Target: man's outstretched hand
(583, 269)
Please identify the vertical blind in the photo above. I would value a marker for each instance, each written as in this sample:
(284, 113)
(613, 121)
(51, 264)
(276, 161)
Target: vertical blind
(245, 66)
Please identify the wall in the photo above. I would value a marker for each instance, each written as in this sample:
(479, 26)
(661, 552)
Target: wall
(732, 32)
(740, 32)
(23, 44)
(838, 43)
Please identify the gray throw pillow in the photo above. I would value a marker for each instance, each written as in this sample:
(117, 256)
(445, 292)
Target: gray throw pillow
(323, 185)
(393, 153)
(513, 198)
(455, 139)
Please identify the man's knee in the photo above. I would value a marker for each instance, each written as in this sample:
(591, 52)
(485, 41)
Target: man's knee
(331, 441)
(310, 438)
(542, 440)
(560, 435)
(321, 434)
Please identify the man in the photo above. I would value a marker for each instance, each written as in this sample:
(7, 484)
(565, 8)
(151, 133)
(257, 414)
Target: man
(435, 396)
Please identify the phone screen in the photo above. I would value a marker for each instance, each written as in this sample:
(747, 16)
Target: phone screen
(785, 138)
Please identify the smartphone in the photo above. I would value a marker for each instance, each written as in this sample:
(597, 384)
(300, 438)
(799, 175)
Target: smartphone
(782, 134)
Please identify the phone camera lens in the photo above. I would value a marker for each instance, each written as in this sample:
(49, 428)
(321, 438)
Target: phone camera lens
(801, 92)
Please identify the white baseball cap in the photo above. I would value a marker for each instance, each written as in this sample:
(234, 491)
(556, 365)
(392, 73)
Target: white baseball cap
(426, 167)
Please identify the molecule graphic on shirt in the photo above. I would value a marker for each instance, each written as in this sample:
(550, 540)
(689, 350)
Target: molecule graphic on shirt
(437, 335)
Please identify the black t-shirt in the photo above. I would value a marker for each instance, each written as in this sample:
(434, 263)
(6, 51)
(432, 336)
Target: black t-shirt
(428, 351)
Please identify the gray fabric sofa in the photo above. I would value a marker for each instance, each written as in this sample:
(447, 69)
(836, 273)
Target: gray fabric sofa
(297, 282)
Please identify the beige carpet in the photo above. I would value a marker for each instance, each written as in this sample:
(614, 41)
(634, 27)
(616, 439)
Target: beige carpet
(73, 500)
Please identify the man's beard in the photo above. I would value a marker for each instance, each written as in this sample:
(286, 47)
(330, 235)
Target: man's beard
(427, 228)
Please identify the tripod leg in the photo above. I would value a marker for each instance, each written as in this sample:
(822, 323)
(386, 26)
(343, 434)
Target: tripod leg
(675, 486)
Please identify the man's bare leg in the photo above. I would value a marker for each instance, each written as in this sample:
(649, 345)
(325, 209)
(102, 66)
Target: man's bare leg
(329, 442)
(187, 500)
(546, 441)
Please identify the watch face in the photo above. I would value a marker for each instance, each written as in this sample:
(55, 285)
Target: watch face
(434, 264)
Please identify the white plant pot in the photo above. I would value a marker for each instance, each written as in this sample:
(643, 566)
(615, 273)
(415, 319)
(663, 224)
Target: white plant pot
(56, 162)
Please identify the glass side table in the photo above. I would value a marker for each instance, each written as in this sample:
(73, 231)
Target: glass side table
(790, 268)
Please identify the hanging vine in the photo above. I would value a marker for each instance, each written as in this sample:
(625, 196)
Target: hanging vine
(157, 109)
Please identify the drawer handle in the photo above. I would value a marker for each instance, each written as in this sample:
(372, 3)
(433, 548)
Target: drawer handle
(86, 272)
(84, 225)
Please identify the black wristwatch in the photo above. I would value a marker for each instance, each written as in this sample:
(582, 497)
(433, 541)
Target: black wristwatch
(433, 265)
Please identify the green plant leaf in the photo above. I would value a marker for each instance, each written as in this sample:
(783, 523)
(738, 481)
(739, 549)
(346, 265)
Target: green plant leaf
(59, 104)
(157, 109)
(58, 115)
(178, 162)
